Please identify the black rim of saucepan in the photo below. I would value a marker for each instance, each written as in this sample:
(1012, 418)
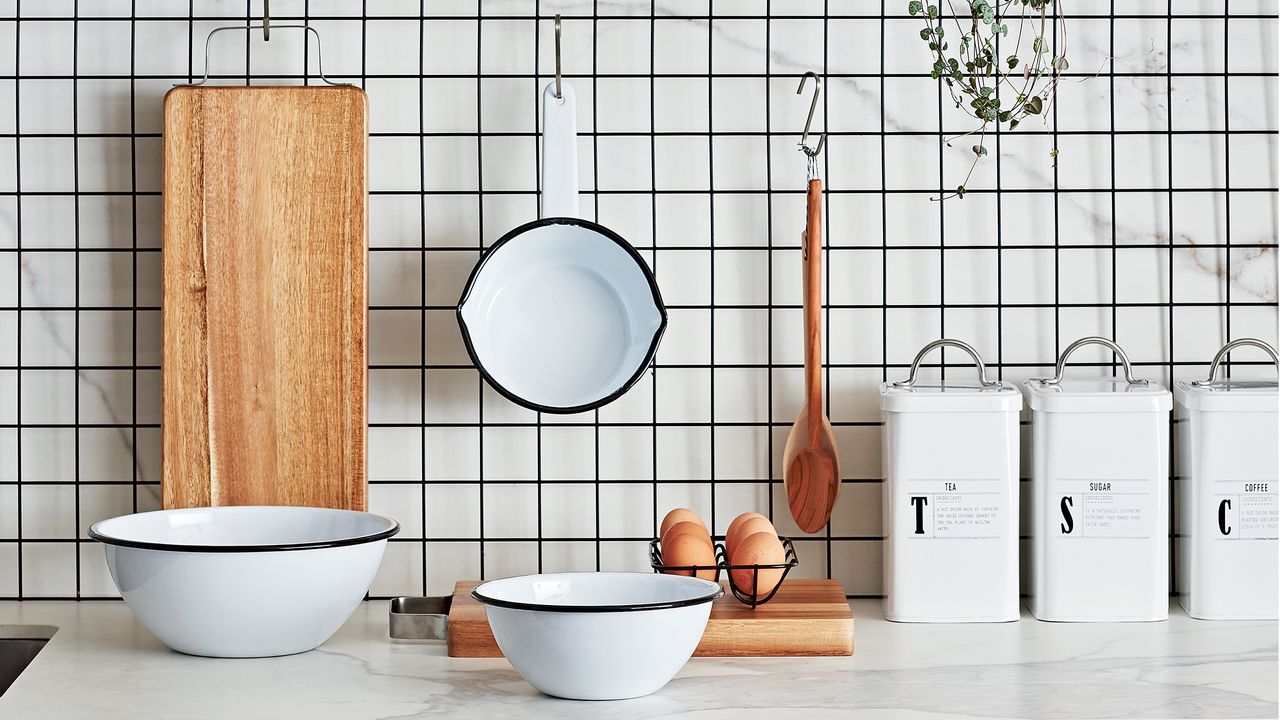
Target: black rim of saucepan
(278, 547)
(640, 263)
(631, 607)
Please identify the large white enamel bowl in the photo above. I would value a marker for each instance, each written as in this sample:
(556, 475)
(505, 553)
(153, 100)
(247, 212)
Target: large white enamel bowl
(598, 635)
(244, 581)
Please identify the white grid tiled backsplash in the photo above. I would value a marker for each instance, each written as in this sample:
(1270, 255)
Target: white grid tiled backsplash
(688, 120)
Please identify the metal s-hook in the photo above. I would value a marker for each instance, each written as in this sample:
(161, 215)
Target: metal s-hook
(813, 107)
(266, 20)
(559, 96)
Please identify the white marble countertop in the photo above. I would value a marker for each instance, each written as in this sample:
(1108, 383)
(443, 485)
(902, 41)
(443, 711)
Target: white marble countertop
(102, 664)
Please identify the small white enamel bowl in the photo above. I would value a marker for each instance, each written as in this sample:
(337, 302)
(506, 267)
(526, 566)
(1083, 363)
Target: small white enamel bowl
(244, 581)
(598, 635)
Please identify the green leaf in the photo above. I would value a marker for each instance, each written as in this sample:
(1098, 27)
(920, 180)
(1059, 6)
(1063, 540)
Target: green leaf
(1039, 45)
(1061, 64)
(925, 33)
(1013, 123)
(960, 191)
(915, 7)
(1012, 61)
(933, 11)
(979, 150)
(1034, 105)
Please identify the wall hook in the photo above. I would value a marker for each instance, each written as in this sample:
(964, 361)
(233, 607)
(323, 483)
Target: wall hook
(813, 107)
(558, 95)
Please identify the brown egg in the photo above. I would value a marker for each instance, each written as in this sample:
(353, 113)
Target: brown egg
(688, 549)
(750, 525)
(762, 548)
(679, 515)
(687, 528)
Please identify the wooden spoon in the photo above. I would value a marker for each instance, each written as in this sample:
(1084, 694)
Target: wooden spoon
(811, 463)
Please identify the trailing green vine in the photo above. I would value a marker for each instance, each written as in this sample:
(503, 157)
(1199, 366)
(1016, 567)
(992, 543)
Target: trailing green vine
(993, 77)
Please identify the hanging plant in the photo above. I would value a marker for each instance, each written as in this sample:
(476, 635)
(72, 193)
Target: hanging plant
(995, 76)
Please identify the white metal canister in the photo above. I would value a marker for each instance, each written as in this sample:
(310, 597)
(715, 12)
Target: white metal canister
(1228, 517)
(1100, 495)
(950, 497)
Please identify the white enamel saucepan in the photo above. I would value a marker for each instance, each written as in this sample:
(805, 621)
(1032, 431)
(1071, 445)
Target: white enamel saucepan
(561, 315)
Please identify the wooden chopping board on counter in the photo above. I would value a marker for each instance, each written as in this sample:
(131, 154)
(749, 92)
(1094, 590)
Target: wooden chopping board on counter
(805, 618)
(265, 296)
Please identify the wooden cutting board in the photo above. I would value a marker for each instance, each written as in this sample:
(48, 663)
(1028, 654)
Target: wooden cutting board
(805, 618)
(265, 296)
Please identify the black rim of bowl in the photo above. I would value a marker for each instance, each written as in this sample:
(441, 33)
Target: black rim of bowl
(391, 529)
(630, 607)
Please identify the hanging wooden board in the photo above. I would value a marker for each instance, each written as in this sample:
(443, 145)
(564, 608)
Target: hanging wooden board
(265, 296)
(805, 618)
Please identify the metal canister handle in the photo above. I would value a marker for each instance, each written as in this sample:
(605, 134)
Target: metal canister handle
(1093, 340)
(1226, 349)
(947, 342)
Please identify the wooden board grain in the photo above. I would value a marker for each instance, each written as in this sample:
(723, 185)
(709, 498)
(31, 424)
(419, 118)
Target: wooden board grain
(805, 618)
(265, 296)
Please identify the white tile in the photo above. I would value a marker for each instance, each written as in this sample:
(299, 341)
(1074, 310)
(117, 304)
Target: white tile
(395, 278)
(693, 495)
(682, 219)
(394, 395)
(628, 166)
(400, 572)
(449, 104)
(1027, 276)
(48, 569)
(742, 453)
(110, 455)
(394, 105)
(510, 454)
(1253, 161)
(95, 576)
(684, 276)
(569, 510)
(48, 396)
(53, 55)
(1252, 46)
(48, 337)
(507, 105)
(9, 338)
(106, 396)
(622, 46)
(683, 394)
(738, 163)
(106, 165)
(741, 219)
(741, 277)
(568, 556)
(452, 454)
(510, 510)
(1085, 275)
(626, 453)
(912, 277)
(854, 336)
(99, 502)
(395, 163)
(507, 46)
(682, 163)
(48, 512)
(854, 163)
(453, 510)
(682, 455)
(400, 501)
(106, 338)
(741, 394)
(395, 453)
(858, 565)
(741, 336)
(623, 104)
(630, 216)
(681, 104)
(738, 104)
(568, 453)
(969, 276)
(46, 106)
(395, 337)
(451, 221)
(681, 46)
(449, 562)
(48, 164)
(626, 510)
(506, 559)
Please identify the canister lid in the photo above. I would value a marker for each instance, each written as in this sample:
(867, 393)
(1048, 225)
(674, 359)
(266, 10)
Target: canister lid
(1230, 395)
(950, 397)
(1097, 394)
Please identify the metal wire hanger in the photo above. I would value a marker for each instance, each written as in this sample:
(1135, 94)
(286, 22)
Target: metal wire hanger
(265, 26)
